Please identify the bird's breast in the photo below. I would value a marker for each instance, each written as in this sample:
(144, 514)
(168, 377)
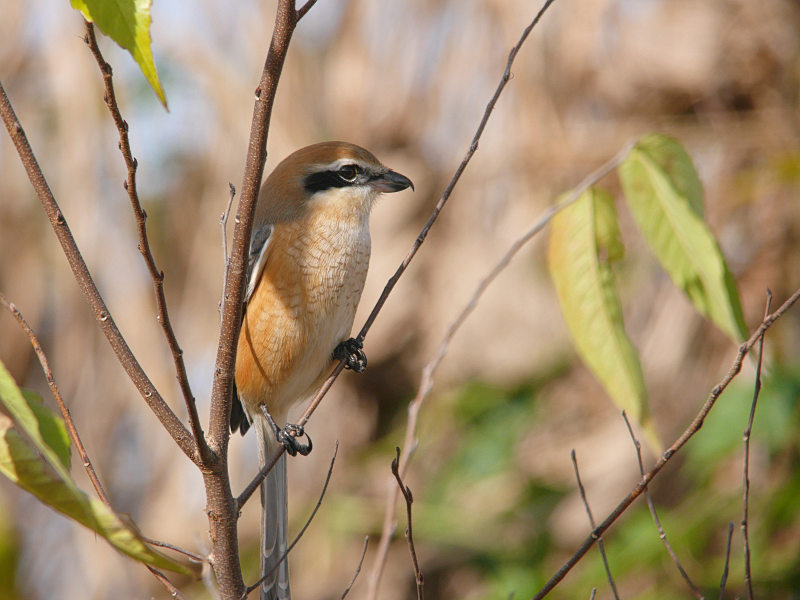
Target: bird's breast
(302, 307)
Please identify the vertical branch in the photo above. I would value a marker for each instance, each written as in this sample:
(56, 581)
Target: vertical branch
(724, 580)
(222, 507)
(88, 287)
(409, 498)
(156, 275)
(746, 439)
(600, 544)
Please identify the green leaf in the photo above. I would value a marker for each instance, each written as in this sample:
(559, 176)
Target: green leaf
(584, 240)
(35, 455)
(51, 426)
(127, 22)
(664, 193)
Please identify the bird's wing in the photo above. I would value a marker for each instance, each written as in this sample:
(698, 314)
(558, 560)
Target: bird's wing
(259, 249)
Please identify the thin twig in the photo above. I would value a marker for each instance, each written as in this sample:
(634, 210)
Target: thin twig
(226, 261)
(170, 587)
(88, 287)
(426, 379)
(301, 12)
(358, 569)
(156, 275)
(285, 555)
(409, 498)
(724, 581)
(692, 429)
(600, 544)
(65, 414)
(651, 505)
(746, 438)
(73, 431)
(190, 555)
(594, 593)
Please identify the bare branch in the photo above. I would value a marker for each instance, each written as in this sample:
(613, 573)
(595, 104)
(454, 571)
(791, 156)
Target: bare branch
(724, 580)
(746, 439)
(358, 569)
(156, 275)
(600, 544)
(693, 428)
(301, 12)
(222, 506)
(73, 431)
(170, 587)
(88, 287)
(406, 491)
(65, 414)
(254, 587)
(426, 379)
(661, 534)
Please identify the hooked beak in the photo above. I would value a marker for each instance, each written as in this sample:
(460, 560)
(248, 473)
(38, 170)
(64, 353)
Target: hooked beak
(390, 181)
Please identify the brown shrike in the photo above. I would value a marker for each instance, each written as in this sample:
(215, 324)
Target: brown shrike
(309, 253)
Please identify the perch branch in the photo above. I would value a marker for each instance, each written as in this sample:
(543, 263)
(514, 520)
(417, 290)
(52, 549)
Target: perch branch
(426, 379)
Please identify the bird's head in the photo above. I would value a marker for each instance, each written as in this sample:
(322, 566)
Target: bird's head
(338, 175)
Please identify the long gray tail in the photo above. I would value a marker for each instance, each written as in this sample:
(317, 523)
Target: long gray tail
(274, 519)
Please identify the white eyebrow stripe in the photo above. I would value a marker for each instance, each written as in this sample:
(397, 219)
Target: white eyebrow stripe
(339, 163)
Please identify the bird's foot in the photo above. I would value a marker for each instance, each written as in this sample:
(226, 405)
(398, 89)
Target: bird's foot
(288, 437)
(352, 353)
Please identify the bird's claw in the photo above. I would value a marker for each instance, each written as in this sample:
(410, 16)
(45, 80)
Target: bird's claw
(288, 437)
(352, 353)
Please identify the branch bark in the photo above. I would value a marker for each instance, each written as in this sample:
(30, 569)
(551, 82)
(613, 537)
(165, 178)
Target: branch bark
(222, 507)
(88, 287)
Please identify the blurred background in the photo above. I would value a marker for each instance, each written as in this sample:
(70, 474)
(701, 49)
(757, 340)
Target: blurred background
(496, 510)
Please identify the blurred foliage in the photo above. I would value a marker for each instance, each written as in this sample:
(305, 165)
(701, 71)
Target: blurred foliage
(496, 502)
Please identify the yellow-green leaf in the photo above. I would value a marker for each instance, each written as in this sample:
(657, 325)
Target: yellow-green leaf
(32, 456)
(584, 240)
(664, 193)
(127, 22)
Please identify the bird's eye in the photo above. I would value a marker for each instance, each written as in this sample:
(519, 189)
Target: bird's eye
(349, 173)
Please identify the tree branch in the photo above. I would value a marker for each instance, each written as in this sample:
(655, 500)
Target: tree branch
(156, 275)
(651, 505)
(222, 506)
(746, 476)
(692, 429)
(426, 379)
(600, 544)
(88, 287)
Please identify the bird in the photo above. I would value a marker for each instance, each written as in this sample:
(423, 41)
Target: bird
(308, 259)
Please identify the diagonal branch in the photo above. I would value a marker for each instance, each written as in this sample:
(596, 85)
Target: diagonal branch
(144, 243)
(88, 287)
(51, 382)
(692, 429)
(473, 147)
(78, 443)
(426, 379)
